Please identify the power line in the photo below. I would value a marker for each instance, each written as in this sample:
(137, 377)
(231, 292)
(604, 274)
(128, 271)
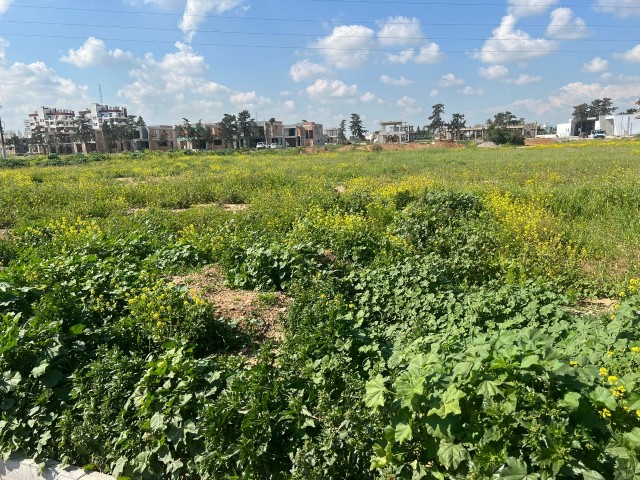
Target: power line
(464, 4)
(280, 34)
(288, 47)
(275, 19)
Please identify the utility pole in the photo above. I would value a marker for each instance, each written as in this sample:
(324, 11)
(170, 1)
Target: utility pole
(4, 147)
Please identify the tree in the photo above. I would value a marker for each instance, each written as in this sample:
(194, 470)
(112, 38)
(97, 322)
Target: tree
(187, 130)
(110, 135)
(37, 138)
(355, 126)
(244, 129)
(84, 132)
(602, 106)
(457, 123)
(228, 128)
(203, 136)
(436, 119)
(271, 122)
(342, 130)
(504, 119)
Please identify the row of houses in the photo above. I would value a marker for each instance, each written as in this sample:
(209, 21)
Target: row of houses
(56, 130)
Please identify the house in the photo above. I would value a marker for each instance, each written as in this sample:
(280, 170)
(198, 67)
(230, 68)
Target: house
(622, 125)
(395, 131)
(304, 134)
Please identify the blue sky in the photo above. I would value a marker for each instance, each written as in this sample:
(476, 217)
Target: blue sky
(319, 60)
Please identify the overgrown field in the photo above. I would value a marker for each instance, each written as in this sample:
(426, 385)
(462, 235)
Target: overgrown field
(435, 313)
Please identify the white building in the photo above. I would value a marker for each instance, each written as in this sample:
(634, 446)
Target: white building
(623, 125)
(100, 114)
(57, 128)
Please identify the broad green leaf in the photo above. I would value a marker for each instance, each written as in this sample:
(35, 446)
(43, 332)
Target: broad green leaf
(157, 422)
(375, 390)
(450, 403)
(515, 469)
(407, 387)
(403, 433)
(489, 389)
(572, 400)
(51, 378)
(529, 361)
(633, 438)
(588, 474)
(603, 397)
(40, 369)
(451, 455)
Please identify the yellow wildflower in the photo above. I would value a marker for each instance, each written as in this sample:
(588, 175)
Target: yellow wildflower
(605, 413)
(612, 379)
(604, 372)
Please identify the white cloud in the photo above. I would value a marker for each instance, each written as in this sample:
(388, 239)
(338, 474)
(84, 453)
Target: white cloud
(493, 72)
(323, 88)
(368, 97)
(434, 93)
(510, 45)
(406, 102)
(195, 12)
(429, 54)
(471, 91)
(620, 8)
(290, 105)
(306, 70)
(526, 8)
(28, 86)
(449, 80)
(347, 46)
(401, 57)
(247, 100)
(396, 82)
(577, 92)
(595, 65)
(4, 6)
(631, 56)
(175, 86)
(94, 52)
(3, 50)
(523, 79)
(564, 26)
(400, 31)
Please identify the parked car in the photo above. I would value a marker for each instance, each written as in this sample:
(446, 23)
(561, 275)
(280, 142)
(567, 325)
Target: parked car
(261, 145)
(598, 134)
(274, 145)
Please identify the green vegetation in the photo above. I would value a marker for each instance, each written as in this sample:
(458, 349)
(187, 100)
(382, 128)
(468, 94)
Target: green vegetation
(438, 324)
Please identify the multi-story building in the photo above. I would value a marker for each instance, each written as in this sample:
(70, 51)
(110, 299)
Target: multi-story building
(303, 134)
(99, 114)
(57, 128)
(395, 131)
(162, 137)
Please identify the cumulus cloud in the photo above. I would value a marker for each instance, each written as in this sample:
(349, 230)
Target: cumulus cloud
(619, 8)
(34, 84)
(509, 44)
(4, 6)
(434, 93)
(323, 88)
(3, 50)
(493, 72)
(449, 80)
(630, 56)
(395, 82)
(195, 12)
(306, 70)
(526, 8)
(523, 79)
(347, 46)
(595, 65)
(368, 97)
(471, 91)
(564, 26)
(94, 52)
(429, 54)
(402, 57)
(400, 31)
(577, 92)
(247, 100)
(173, 85)
(406, 102)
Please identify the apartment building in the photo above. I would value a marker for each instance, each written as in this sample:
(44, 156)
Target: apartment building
(55, 125)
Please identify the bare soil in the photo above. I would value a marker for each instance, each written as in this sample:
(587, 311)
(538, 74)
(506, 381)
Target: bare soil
(257, 314)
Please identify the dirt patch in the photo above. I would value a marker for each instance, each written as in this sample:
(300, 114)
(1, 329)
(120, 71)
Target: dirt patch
(257, 314)
(539, 141)
(235, 207)
(595, 306)
(5, 234)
